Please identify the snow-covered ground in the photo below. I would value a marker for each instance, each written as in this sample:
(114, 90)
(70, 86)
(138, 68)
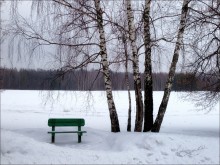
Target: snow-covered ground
(187, 136)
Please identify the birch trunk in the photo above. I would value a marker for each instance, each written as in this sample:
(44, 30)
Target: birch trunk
(127, 82)
(163, 105)
(129, 99)
(105, 65)
(148, 82)
(136, 73)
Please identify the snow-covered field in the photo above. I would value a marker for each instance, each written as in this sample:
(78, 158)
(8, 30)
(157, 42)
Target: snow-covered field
(187, 136)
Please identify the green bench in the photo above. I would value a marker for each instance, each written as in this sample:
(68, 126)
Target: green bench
(66, 122)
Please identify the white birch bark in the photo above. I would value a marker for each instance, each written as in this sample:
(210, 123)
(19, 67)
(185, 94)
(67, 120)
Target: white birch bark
(105, 65)
(136, 73)
(163, 105)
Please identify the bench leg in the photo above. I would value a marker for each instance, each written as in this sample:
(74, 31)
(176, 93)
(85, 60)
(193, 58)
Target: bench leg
(79, 134)
(79, 138)
(53, 135)
(52, 138)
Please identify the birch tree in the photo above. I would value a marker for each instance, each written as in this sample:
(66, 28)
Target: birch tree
(108, 86)
(136, 73)
(168, 86)
(127, 82)
(148, 82)
(125, 42)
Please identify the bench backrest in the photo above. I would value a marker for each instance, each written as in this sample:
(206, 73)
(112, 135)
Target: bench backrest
(66, 122)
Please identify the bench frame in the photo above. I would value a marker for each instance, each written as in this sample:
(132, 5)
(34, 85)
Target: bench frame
(60, 122)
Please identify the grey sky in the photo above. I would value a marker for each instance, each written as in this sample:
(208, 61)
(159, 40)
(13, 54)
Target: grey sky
(45, 62)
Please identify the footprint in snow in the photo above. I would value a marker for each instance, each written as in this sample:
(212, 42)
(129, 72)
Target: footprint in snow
(95, 157)
(206, 158)
(149, 154)
(164, 153)
(173, 150)
(160, 143)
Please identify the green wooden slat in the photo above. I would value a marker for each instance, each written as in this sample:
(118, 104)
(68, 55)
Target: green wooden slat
(66, 122)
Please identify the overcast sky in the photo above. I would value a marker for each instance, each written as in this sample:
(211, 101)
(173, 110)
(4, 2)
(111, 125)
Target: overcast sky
(45, 62)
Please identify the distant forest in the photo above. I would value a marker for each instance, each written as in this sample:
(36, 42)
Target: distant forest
(25, 79)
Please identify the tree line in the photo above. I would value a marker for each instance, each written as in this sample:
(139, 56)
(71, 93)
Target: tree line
(30, 79)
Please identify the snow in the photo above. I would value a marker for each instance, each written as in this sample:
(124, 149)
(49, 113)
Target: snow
(187, 136)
